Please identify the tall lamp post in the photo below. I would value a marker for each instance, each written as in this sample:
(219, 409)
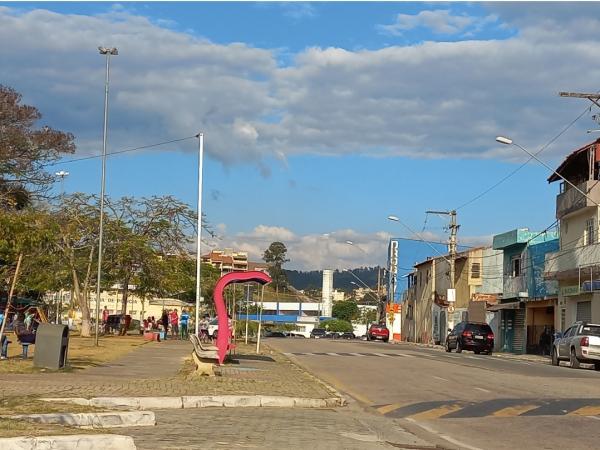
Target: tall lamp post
(108, 51)
(62, 175)
(200, 137)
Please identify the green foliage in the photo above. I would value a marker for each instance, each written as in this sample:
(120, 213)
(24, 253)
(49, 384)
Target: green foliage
(336, 325)
(367, 316)
(25, 151)
(240, 328)
(275, 257)
(346, 310)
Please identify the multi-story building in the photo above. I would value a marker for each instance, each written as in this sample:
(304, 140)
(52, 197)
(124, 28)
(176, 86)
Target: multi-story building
(528, 300)
(576, 265)
(427, 313)
(227, 260)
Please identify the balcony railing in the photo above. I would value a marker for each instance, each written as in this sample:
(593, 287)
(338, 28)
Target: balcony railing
(571, 200)
(514, 286)
(567, 263)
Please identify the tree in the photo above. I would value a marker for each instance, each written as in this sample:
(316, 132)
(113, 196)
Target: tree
(26, 151)
(345, 310)
(141, 232)
(336, 325)
(275, 257)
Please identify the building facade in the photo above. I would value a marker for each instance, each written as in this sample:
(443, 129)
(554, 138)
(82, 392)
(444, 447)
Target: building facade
(576, 265)
(528, 301)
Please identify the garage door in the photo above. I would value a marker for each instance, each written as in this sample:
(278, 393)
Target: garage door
(584, 311)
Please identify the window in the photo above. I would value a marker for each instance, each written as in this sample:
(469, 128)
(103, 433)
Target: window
(516, 266)
(590, 232)
(476, 270)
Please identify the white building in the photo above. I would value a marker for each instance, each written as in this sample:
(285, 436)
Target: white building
(327, 292)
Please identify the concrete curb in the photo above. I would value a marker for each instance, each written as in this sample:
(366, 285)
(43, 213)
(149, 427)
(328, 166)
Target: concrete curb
(93, 420)
(74, 442)
(204, 401)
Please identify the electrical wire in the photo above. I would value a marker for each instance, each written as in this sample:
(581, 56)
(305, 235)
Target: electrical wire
(503, 179)
(119, 152)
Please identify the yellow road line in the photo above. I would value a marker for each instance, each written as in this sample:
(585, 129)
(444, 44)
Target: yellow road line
(513, 411)
(436, 413)
(586, 411)
(389, 408)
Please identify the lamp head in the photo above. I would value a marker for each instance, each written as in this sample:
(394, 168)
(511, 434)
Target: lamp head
(504, 140)
(394, 218)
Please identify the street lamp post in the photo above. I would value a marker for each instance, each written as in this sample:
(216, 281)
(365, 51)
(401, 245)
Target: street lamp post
(60, 174)
(200, 137)
(108, 52)
(508, 141)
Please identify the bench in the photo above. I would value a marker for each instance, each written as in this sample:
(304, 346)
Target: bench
(204, 356)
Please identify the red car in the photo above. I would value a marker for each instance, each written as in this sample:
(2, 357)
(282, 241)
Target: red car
(378, 331)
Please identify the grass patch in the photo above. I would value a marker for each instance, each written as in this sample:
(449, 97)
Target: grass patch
(82, 353)
(32, 405)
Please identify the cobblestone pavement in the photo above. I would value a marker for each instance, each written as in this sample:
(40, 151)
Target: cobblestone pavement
(271, 428)
(154, 370)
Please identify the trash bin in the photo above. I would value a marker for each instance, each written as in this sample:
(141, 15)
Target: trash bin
(51, 343)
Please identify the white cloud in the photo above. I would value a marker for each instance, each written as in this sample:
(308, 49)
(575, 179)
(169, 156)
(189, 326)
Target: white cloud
(298, 10)
(431, 100)
(330, 250)
(440, 21)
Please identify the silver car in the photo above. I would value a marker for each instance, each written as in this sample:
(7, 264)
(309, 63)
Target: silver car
(579, 344)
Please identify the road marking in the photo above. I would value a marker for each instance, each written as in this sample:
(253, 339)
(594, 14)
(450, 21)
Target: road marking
(334, 354)
(356, 354)
(436, 413)
(389, 408)
(593, 417)
(440, 378)
(383, 355)
(459, 443)
(586, 411)
(513, 411)
(483, 390)
(443, 436)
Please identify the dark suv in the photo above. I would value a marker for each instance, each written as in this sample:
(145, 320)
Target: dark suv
(318, 333)
(477, 337)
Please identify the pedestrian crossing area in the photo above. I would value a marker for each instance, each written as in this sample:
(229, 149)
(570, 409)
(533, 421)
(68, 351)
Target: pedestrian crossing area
(501, 407)
(353, 354)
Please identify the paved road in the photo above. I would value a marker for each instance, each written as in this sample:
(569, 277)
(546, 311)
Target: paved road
(464, 401)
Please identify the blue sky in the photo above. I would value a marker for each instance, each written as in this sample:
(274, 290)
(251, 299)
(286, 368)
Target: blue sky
(319, 118)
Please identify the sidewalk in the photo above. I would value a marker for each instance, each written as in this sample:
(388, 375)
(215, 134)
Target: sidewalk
(160, 369)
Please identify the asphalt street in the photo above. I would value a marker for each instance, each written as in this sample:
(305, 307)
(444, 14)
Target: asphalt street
(464, 401)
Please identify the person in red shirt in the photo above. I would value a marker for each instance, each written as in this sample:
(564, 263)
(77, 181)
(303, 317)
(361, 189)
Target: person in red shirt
(174, 319)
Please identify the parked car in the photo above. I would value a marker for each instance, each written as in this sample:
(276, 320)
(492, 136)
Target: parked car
(378, 331)
(579, 344)
(477, 337)
(318, 333)
(348, 335)
(299, 334)
(275, 334)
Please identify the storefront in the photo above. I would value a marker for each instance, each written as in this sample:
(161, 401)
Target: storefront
(539, 319)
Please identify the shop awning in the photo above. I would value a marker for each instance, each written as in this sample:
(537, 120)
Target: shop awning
(511, 305)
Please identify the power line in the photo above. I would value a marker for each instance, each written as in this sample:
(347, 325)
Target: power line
(503, 179)
(118, 152)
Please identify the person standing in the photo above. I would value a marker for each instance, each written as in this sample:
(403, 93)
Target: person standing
(183, 324)
(165, 322)
(105, 315)
(174, 324)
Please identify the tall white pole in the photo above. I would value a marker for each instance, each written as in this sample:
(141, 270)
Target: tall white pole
(200, 137)
(101, 231)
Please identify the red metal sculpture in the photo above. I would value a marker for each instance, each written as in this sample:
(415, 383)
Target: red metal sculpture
(224, 335)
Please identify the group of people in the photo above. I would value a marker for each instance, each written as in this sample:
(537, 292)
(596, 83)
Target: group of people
(170, 321)
(24, 325)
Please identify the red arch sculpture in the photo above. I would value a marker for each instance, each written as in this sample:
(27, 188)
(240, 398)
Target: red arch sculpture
(224, 335)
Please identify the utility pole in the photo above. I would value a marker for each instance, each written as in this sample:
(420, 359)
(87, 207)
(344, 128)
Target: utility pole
(452, 253)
